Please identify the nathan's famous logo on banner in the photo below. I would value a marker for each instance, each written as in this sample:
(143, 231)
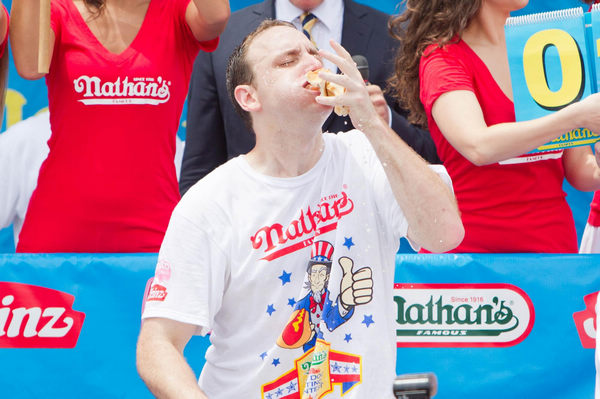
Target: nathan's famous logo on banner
(586, 321)
(459, 315)
(37, 317)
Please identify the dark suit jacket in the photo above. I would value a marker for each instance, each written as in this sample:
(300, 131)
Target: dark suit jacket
(216, 133)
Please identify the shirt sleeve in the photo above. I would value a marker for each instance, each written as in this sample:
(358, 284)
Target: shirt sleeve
(57, 18)
(441, 71)
(190, 275)
(56, 10)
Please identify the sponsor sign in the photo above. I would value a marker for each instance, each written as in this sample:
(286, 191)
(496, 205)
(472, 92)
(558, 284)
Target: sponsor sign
(462, 315)
(585, 321)
(37, 317)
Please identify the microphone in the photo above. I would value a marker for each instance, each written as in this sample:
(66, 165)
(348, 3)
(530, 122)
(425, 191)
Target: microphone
(363, 66)
(415, 386)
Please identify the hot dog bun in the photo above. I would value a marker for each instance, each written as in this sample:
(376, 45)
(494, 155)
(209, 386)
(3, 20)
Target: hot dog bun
(328, 89)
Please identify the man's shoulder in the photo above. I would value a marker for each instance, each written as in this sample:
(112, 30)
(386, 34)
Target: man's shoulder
(376, 20)
(365, 30)
(240, 24)
(243, 21)
(28, 138)
(253, 9)
(211, 188)
(363, 9)
(349, 137)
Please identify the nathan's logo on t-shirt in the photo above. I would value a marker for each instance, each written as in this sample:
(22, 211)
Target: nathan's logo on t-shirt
(274, 240)
(37, 317)
(157, 293)
(139, 90)
(462, 315)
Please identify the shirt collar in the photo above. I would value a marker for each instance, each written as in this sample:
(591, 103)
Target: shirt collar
(328, 12)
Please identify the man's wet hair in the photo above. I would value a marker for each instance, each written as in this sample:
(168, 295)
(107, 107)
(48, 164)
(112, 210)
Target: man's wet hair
(239, 72)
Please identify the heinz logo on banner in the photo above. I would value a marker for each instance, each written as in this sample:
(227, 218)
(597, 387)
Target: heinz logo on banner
(37, 317)
(462, 315)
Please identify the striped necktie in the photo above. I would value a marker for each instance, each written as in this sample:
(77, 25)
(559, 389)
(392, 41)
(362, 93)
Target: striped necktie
(308, 21)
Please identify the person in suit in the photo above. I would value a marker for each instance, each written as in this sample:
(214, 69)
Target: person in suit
(215, 133)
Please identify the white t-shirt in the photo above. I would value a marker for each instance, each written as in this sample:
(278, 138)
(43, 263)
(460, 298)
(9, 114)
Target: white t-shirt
(23, 148)
(234, 262)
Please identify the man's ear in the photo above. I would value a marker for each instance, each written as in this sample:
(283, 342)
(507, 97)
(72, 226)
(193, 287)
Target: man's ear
(247, 97)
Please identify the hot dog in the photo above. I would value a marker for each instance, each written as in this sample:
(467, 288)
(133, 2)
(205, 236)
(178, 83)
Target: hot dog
(328, 89)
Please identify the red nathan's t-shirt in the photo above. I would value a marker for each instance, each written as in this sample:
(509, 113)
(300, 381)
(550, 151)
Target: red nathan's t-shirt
(517, 205)
(109, 182)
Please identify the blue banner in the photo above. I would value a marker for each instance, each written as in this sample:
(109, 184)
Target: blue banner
(549, 362)
(489, 326)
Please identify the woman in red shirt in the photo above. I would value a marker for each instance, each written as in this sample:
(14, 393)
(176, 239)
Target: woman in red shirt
(453, 76)
(118, 79)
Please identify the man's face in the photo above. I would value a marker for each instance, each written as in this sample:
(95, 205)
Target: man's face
(280, 57)
(318, 275)
(306, 5)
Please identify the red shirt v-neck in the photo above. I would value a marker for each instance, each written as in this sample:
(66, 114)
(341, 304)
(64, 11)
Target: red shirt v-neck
(109, 183)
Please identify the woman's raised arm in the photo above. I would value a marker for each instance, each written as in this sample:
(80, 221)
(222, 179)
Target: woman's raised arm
(24, 37)
(207, 19)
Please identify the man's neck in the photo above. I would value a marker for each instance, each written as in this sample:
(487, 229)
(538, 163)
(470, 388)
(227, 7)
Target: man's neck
(286, 153)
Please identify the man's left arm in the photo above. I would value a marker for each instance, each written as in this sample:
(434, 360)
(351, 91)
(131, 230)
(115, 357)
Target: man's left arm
(428, 204)
(418, 139)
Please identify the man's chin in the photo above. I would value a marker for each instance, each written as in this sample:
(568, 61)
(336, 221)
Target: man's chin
(326, 110)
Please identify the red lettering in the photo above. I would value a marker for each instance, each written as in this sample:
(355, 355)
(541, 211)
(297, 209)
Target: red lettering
(257, 241)
(330, 209)
(37, 317)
